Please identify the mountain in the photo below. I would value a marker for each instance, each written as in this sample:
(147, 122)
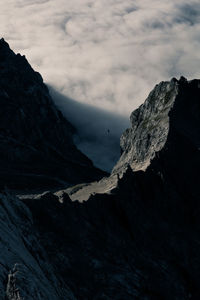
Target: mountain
(136, 236)
(36, 141)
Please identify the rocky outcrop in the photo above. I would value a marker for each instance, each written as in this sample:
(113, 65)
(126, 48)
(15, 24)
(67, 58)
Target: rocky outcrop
(36, 141)
(150, 125)
(172, 107)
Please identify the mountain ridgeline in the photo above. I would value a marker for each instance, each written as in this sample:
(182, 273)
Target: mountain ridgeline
(36, 141)
(136, 236)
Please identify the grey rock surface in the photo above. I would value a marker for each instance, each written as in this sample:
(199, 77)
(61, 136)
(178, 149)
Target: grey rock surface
(36, 141)
(25, 271)
(148, 134)
(149, 128)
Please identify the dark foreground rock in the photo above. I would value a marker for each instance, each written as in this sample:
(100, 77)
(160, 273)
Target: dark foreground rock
(36, 141)
(140, 241)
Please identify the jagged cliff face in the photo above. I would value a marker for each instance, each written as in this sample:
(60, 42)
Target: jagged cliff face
(150, 125)
(172, 108)
(36, 145)
(137, 236)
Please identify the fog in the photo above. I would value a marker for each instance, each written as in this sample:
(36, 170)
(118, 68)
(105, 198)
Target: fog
(98, 131)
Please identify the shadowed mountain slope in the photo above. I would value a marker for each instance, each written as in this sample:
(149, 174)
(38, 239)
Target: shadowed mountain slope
(36, 141)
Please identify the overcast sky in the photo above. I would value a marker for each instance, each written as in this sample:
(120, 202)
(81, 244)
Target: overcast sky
(107, 53)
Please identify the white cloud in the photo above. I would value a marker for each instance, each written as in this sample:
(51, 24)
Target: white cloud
(107, 53)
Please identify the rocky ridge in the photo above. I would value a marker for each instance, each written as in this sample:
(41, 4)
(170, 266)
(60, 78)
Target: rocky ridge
(149, 127)
(36, 141)
(171, 103)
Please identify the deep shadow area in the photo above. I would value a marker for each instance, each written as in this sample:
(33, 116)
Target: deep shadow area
(98, 131)
(36, 141)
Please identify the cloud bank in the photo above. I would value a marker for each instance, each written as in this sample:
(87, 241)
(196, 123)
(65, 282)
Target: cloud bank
(108, 53)
(98, 130)
(105, 53)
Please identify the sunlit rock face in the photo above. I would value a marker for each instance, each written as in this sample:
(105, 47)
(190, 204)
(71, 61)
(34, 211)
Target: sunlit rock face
(36, 145)
(150, 123)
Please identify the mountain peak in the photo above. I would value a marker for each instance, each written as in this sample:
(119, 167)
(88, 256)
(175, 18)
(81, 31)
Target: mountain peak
(151, 122)
(5, 51)
(4, 43)
(36, 146)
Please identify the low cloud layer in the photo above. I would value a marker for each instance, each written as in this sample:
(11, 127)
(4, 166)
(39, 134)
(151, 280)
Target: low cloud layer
(105, 53)
(108, 53)
(98, 130)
